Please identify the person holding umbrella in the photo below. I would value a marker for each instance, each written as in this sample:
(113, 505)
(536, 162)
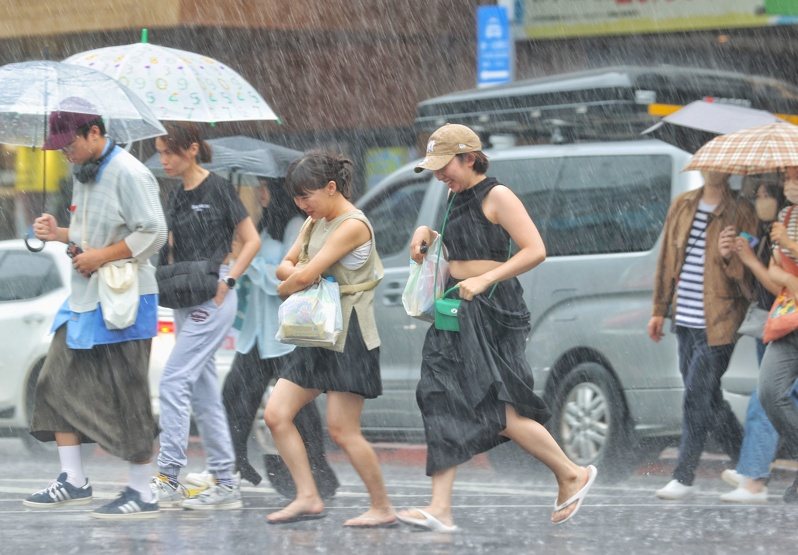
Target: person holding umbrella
(93, 386)
(760, 439)
(204, 213)
(779, 370)
(707, 293)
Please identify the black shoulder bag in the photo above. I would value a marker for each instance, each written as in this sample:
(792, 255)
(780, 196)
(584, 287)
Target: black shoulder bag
(187, 283)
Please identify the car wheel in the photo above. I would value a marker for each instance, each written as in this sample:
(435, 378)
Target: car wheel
(32, 444)
(589, 421)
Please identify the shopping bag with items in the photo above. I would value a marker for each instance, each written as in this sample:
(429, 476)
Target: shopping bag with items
(426, 283)
(311, 317)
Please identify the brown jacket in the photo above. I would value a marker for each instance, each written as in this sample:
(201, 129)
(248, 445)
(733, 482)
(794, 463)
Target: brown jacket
(727, 284)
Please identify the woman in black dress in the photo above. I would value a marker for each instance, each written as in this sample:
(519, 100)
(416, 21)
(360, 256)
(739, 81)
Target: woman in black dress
(476, 388)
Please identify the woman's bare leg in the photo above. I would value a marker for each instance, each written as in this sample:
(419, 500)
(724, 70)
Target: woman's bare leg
(536, 440)
(343, 421)
(285, 402)
(440, 505)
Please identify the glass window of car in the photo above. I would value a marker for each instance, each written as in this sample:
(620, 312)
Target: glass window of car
(394, 214)
(26, 275)
(593, 204)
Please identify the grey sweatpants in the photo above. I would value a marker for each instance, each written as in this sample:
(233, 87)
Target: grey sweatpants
(189, 383)
(777, 374)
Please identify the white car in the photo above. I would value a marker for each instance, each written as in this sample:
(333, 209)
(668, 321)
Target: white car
(32, 288)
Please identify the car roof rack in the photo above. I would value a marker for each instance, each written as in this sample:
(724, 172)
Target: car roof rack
(613, 103)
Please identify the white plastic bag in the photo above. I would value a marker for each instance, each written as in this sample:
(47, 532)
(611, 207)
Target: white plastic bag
(119, 292)
(422, 289)
(311, 317)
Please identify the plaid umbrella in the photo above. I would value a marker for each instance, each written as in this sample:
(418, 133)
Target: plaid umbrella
(764, 149)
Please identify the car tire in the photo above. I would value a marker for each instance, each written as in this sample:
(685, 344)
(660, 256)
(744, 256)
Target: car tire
(32, 444)
(589, 421)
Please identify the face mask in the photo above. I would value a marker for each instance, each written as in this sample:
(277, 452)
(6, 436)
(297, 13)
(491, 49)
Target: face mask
(791, 190)
(766, 209)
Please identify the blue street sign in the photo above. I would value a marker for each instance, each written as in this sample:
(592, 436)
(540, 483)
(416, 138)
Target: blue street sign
(494, 46)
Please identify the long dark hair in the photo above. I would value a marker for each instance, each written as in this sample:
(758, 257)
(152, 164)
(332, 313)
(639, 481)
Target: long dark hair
(280, 211)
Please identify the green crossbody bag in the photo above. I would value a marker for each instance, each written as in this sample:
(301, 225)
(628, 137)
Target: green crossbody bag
(448, 309)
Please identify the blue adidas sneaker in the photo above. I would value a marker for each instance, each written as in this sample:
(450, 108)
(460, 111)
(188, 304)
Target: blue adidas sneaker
(60, 493)
(127, 506)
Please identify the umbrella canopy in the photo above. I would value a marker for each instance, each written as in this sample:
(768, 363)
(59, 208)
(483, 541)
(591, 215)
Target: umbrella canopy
(699, 122)
(179, 85)
(242, 155)
(763, 149)
(29, 91)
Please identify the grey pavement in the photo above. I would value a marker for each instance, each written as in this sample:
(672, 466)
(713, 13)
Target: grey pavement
(498, 512)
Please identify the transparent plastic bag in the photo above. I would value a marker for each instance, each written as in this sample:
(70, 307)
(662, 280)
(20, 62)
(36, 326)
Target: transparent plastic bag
(422, 288)
(311, 317)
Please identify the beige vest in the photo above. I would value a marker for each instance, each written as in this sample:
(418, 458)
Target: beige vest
(357, 286)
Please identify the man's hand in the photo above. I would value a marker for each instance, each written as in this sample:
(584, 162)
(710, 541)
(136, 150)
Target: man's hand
(88, 261)
(726, 241)
(45, 228)
(654, 328)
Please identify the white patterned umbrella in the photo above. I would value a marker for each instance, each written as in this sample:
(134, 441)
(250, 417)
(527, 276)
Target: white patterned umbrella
(179, 85)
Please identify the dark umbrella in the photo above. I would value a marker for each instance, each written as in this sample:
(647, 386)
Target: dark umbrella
(699, 122)
(239, 155)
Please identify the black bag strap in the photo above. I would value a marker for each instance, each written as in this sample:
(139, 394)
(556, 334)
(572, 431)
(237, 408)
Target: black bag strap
(440, 246)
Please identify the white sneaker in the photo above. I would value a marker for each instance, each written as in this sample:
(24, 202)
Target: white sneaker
(675, 490)
(215, 498)
(742, 495)
(732, 477)
(202, 479)
(167, 495)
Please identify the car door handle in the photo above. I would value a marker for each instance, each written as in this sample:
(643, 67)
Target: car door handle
(393, 293)
(33, 319)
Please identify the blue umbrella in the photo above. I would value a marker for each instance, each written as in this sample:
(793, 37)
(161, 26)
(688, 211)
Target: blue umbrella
(239, 155)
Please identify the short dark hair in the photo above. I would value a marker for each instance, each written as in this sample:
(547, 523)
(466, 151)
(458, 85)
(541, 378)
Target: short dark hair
(84, 129)
(480, 160)
(315, 169)
(180, 136)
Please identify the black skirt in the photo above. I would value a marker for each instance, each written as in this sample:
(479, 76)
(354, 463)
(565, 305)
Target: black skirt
(355, 370)
(468, 378)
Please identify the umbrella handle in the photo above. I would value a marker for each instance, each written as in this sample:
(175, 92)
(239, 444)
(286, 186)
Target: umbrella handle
(32, 248)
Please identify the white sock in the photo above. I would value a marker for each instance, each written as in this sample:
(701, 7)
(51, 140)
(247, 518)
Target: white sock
(139, 476)
(72, 464)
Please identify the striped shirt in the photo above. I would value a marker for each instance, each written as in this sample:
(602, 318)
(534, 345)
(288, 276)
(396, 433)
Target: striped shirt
(690, 288)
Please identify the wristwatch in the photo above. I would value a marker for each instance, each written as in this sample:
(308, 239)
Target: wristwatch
(230, 282)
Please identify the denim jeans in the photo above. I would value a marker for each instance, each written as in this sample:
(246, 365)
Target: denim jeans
(777, 377)
(704, 409)
(761, 439)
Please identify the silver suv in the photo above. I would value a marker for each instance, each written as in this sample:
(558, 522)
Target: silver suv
(600, 208)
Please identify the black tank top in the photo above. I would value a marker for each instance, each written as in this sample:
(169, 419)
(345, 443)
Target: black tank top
(469, 235)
